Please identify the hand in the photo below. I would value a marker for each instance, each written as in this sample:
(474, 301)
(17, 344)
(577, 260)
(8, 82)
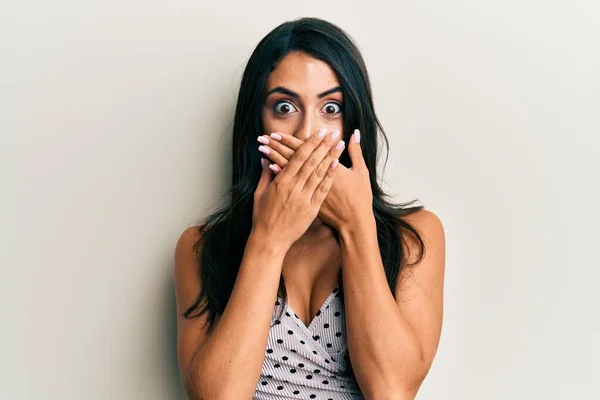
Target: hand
(284, 207)
(350, 199)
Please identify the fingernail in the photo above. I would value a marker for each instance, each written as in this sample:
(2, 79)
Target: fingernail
(334, 164)
(263, 149)
(321, 133)
(357, 136)
(262, 162)
(276, 136)
(340, 144)
(263, 140)
(275, 167)
(335, 134)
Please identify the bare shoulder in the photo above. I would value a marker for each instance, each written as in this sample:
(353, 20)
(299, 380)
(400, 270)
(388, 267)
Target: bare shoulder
(431, 229)
(185, 249)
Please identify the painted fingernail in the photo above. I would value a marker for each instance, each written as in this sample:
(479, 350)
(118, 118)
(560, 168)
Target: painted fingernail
(335, 134)
(357, 136)
(263, 140)
(275, 167)
(262, 162)
(263, 149)
(334, 164)
(340, 144)
(276, 136)
(321, 133)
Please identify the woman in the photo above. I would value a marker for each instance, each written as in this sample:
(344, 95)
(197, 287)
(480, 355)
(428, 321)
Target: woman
(308, 283)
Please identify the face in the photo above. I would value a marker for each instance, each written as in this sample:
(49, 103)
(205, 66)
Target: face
(303, 96)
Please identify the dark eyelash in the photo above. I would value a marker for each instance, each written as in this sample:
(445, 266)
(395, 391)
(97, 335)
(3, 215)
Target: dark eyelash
(277, 103)
(336, 102)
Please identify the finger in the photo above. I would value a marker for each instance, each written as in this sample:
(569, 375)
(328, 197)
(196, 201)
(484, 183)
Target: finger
(355, 151)
(321, 171)
(301, 156)
(290, 141)
(283, 150)
(317, 156)
(273, 155)
(266, 176)
(322, 189)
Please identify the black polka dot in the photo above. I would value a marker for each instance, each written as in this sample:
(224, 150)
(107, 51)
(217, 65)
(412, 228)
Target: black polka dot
(301, 365)
(302, 341)
(277, 303)
(279, 387)
(326, 326)
(316, 337)
(316, 371)
(291, 332)
(312, 396)
(288, 314)
(329, 345)
(277, 322)
(263, 383)
(293, 370)
(270, 376)
(284, 358)
(335, 290)
(325, 382)
(293, 350)
(297, 392)
(342, 387)
(338, 334)
(314, 352)
(277, 365)
(296, 315)
(318, 313)
(308, 376)
(337, 313)
(327, 361)
(269, 351)
(279, 341)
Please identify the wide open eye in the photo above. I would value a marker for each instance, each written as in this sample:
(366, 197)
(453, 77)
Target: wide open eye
(332, 108)
(284, 107)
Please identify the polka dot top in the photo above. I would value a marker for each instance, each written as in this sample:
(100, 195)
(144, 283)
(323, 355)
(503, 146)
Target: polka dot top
(308, 362)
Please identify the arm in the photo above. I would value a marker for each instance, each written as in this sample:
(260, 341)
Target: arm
(210, 365)
(392, 343)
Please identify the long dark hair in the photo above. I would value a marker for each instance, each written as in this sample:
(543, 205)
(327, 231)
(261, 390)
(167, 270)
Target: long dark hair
(223, 234)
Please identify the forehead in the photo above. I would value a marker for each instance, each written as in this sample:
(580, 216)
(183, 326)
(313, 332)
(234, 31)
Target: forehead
(302, 73)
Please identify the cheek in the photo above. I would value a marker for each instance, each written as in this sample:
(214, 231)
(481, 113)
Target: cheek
(271, 124)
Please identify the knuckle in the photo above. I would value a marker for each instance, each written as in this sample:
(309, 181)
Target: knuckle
(323, 187)
(312, 162)
(320, 172)
(302, 154)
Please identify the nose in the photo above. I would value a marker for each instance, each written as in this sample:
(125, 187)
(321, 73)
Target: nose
(307, 127)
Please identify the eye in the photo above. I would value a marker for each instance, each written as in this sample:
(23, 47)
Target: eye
(332, 108)
(284, 107)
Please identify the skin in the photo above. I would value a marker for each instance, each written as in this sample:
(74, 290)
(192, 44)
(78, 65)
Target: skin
(391, 342)
(311, 275)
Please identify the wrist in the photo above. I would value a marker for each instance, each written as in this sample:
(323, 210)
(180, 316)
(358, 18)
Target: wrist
(364, 225)
(265, 243)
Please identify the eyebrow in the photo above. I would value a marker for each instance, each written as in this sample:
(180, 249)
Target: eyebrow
(280, 89)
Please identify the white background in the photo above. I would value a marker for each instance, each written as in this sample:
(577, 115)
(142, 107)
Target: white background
(115, 121)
